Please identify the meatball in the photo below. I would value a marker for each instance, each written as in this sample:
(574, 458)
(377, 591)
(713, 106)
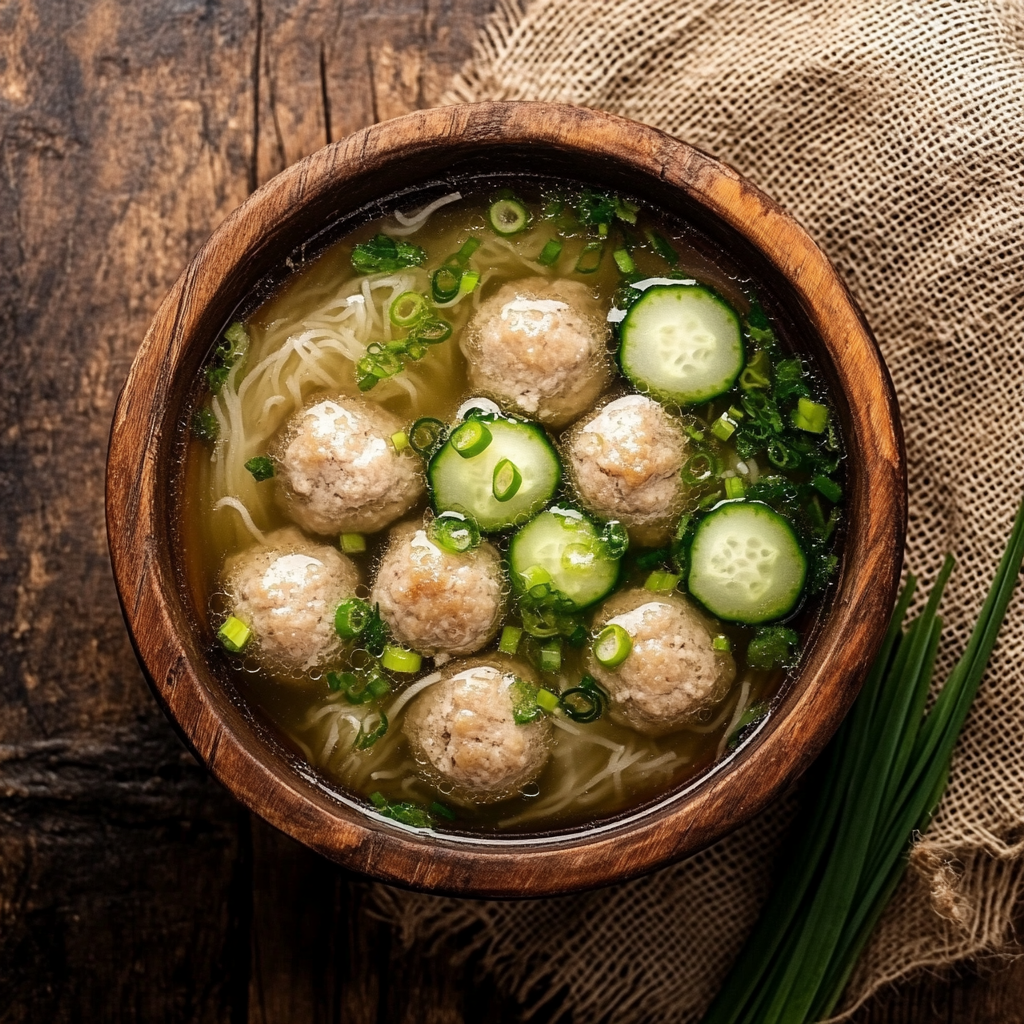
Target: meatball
(672, 673)
(287, 592)
(339, 471)
(437, 601)
(625, 462)
(540, 346)
(463, 733)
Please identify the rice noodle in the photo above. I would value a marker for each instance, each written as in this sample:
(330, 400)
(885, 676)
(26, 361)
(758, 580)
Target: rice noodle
(407, 695)
(741, 706)
(244, 513)
(412, 222)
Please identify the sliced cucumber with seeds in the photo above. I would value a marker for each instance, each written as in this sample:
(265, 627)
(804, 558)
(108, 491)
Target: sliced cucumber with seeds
(467, 483)
(568, 547)
(746, 564)
(681, 343)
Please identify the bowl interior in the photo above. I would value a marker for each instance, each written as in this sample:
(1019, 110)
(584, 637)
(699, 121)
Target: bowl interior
(290, 221)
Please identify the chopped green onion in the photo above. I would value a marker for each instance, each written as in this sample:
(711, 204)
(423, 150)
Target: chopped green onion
(590, 258)
(624, 261)
(662, 582)
(433, 330)
(234, 634)
(383, 254)
(205, 425)
(540, 622)
(736, 414)
(455, 532)
(510, 637)
(461, 258)
(445, 283)
(441, 811)
(353, 543)
(810, 416)
(661, 246)
(535, 576)
(615, 538)
(341, 681)
(508, 216)
(551, 656)
(407, 309)
(550, 253)
(426, 435)
(261, 468)
(757, 372)
(470, 279)
(364, 739)
(525, 708)
(612, 646)
(547, 700)
(400, 439)
(827, 487)
(734, 487)
(772, 647)
(398, 659)
(586, 702)
(721, 643)
(237, 334)
(351, 618)
(506, 481)
(470, 438)
(379, 800)
(626, 210)
(378, 686)
(724, 427)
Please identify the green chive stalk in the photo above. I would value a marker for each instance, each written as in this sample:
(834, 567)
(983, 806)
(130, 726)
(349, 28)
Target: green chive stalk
(882, 778)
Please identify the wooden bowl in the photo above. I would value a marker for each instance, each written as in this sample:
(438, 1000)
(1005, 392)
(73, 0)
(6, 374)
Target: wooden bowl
(361, 177)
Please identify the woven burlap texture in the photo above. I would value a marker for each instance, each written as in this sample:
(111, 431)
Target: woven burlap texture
(893, 132)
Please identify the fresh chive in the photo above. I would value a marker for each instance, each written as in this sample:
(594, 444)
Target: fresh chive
(398, 659)
(407, 309)
(590, 258)
(734, 487)
(366, 738)
(724, 427)
(809, 416)
(721, 643)
(234, 634)
(547, 700)
(550, 253)
(612, 646)
(470, 438)
(551, 656)
(353, 543)
(827, 487)
(662, 582)
(469, 280)
(510, 637)
(445, 283)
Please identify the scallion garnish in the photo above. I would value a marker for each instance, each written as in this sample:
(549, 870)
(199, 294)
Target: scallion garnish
(506, 480)
(662, 582)
(204, 424)
(877, 785)
(510, 637)
(461, 258)
(366, 738)
(810, 416)
(546, 700)
(772, 647)
(615, 538)
(590, 258)
(525, 708)
(261, 468)
(426, 435)
(407, 309)
(398, 659)
(351, 618)
(536, 581)
(724, 427)
(721, 643)
(470, 438)
(734, 487)
(234, 634)
(383, 254)
(551, 251)
(551, 656)
(624, 261)
(352, 543)
(444, 284)
(400, 439)
(508, 216)
(455, 532)
(828, 487)
(612, 646)
(441, 811)
(757, 372)
(662, 247)
(584, 703)
(469, 280)
(405, 812)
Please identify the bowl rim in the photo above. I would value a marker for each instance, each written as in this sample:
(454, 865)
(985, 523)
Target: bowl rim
(141, 443)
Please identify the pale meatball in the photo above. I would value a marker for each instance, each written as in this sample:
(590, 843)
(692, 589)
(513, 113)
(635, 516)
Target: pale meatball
(539, 345)
(672, 673)
(463, 733)
(437, 601)
(625, 462)
(340, 472)
(287, 592)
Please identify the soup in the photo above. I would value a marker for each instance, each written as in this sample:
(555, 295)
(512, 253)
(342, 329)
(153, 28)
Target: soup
(513, 512)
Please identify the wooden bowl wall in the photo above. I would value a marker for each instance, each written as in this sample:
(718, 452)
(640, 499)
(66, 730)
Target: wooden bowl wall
(344, 184)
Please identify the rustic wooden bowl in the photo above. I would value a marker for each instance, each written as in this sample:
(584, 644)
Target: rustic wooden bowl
(360, 177)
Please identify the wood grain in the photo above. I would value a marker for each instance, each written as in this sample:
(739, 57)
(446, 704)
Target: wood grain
(131, 887)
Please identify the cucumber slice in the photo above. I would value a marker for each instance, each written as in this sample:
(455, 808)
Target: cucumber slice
(746, 564)
(466, 484)
(681, 343)
(568, 547)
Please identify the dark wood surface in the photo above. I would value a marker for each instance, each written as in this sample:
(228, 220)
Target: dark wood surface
(131, 887)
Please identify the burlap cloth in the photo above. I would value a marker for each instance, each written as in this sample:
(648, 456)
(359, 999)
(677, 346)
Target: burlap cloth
(893, 132)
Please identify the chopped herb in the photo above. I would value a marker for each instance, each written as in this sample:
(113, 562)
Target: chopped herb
(615, 538)
(551, 656)
(398, 659)
(204, 424)
(734, 487)
(525, 708)
(510, 637)
(546, 700)
(382, 254)
(662, 247)
(455, 532)
(234, 634)
(810, 416)
(261, 468)
(721, 643)
(426, 435)
(662, 582)
(352, 618)
(550, 253)
(757, 372)
(405, 812)
(352, 543)
(590, 258)
(366, 738)
(441, 811)
(773, 647)
(624, 261)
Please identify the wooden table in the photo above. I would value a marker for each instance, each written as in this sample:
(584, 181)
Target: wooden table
(131, 887)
